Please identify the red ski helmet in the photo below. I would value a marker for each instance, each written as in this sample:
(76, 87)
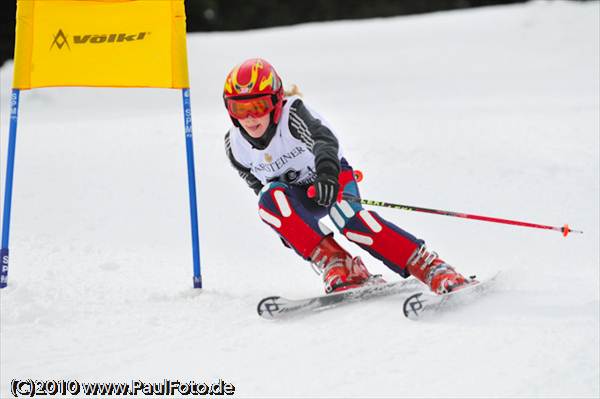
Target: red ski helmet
(253, 88)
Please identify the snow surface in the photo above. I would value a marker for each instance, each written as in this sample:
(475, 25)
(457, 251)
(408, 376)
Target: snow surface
(492, 111)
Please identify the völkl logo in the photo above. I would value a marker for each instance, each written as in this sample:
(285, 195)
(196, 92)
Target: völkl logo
(61, 39)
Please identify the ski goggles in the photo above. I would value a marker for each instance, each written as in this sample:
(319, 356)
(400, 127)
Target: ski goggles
(241, 108)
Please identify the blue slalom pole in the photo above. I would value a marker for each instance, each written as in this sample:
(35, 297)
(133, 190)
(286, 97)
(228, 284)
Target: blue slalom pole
(10, 167)
(187, 120)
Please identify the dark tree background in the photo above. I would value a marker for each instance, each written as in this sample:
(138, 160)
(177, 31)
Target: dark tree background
(208, 15)
(215, 15)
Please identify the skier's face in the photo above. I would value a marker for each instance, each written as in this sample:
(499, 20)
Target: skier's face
(255, 127)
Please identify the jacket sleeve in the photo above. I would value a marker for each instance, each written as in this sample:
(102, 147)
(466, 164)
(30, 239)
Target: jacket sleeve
(244, 172)
(318, 138)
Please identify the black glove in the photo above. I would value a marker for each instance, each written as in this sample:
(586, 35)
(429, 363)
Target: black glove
(326, 190)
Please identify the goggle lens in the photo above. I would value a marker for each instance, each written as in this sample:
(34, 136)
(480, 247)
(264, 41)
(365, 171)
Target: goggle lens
(257, 107)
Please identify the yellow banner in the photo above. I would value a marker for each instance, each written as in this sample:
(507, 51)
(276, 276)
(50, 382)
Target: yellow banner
(101, 43)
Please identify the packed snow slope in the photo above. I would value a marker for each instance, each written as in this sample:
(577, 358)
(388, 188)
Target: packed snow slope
(491, 111)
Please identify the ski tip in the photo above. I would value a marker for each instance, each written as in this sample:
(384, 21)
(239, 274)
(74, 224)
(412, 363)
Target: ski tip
(269, 307)
(413, 306)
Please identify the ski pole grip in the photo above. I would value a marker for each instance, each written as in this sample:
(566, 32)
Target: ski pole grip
(311, 193)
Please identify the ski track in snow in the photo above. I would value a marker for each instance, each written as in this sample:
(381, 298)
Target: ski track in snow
(491, 111)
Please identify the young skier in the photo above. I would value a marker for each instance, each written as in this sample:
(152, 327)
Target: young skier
(280, 148)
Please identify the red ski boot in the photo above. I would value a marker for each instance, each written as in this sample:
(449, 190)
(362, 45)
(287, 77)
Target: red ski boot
(340, 271)
(437, 274)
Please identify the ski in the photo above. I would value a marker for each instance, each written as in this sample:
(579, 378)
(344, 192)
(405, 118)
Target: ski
(277, 307)
(423, 303)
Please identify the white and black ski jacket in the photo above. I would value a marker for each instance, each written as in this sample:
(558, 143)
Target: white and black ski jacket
(300, 147)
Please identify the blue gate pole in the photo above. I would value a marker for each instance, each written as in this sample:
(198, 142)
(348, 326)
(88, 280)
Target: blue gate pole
(189, 146)
(10, 166)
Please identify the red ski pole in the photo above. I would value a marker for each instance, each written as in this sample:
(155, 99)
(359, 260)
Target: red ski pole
(565, 230)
